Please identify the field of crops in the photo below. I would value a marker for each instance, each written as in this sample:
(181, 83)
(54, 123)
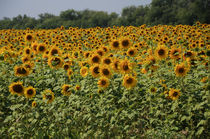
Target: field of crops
(115, 82)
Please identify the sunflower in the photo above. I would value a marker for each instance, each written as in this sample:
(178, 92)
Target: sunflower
(132, 52)
(21, 71)
(48, 96)
(66, 66)
(189, 54)
(54, 51)
(125, 66)
(16, 88)
(55, 62)
(95, 70)
(69, 73)
(95, 59)
(103, 82)
(27, 51)
(77, 87)
(181, 70)
(34, 104)
(41, 48)
(129, 81)
(66, 90)
(125, 43)
(175, 53)
(100, 52)
(161, 52)
(29, 92)
(84, 71)
(115, 45)
(153, 89)
(105, 72)
(29, 37)
(106, 60)
(25, 59)
(34, 47)
(116, 65)
(174, 94)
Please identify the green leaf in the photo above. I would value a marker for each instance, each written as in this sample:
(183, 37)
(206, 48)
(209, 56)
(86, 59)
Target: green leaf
(200, 131)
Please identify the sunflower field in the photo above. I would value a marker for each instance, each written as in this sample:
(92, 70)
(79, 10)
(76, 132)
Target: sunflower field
(114, 82)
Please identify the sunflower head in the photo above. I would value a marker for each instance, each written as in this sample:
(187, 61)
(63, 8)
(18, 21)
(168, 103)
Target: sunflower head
(95, 70)
(175, 53)
(54, 51)
(34, 104)
(125, 43)
(41, 48)
(174, 94)
(161, 52)
(125, 66)
(48, 96)
(115, 45)
(30, 92)
(129, 81)
(132, 52)
(29, 37)
(181, 70)
(21, 71)
(105, 72)
(106, 60)
(17, 88)
(116, 65)
(84, 71)
(95, 59)
(66, 90)
(103, 82)
(55, 62)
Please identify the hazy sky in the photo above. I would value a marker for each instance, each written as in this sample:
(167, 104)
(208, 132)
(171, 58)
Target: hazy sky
(32, 8)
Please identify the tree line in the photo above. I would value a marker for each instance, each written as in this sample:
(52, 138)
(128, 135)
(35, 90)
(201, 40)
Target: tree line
(169, 12)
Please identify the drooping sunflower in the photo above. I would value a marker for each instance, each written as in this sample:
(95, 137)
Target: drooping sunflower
(181, 70)
(95, 70)
(29, 37)
(115, 45)
(77, 87)
(66, 90)
(84, 71)
(125, 43)
(174, 94)
(21, 71)
(48, 96)
(161, 52)
(129, 82)
(105, 72)
(55, 62)
(175, 53)
(16, 88)
(95, 59)
(41, 48)
(103, 82)
(29, 92)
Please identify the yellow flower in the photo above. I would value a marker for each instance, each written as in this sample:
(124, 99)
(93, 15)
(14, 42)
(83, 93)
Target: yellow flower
(161, 52)
(34, 104)
(84, 71)
(21, 71)
(181, 70)
(30, 92)
(174, 94)
(66, 90)
(129, 81)
(16, 88)
(48, 96)
(103, 82)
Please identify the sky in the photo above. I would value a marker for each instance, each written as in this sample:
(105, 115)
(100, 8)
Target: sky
(32, 8)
